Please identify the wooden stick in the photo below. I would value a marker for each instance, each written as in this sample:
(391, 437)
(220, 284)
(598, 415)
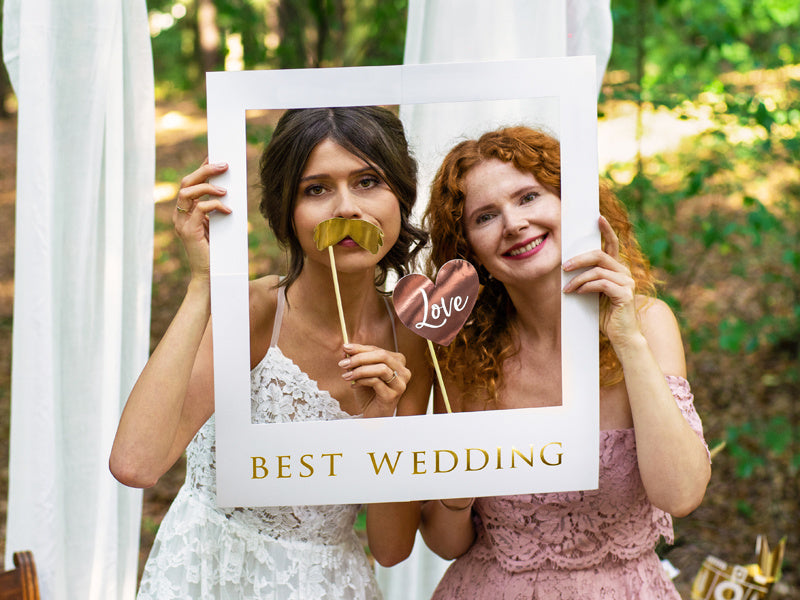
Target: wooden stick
(439, 376)
(338, 295)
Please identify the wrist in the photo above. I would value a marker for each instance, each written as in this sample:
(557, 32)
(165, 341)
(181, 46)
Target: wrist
(633, 343)
(199, 285)
(198, 297)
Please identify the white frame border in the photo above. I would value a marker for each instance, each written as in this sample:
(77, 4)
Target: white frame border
(574, 425)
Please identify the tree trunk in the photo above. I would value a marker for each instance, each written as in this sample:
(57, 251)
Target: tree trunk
(209, 39)
(292, 49)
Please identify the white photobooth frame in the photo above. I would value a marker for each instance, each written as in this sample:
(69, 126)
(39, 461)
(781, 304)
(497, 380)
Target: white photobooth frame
(433, 456)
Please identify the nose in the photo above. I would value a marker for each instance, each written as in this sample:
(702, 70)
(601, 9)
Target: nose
(513, 223)
(346, 205)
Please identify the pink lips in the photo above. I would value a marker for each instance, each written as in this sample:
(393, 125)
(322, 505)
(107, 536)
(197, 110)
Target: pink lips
(347, 242)
(536, 244)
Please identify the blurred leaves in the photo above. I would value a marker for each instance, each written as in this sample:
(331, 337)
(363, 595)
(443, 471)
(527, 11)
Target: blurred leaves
(275, 34)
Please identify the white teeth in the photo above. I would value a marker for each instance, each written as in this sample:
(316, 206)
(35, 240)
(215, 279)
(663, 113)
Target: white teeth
(527, 248)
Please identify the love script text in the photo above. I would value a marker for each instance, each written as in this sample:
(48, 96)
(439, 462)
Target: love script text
(440, 311)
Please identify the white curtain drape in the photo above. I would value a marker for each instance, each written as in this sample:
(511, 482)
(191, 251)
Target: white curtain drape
(479, 30)
(83, 74)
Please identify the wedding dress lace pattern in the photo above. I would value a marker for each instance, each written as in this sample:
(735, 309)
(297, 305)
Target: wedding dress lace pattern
(272, 553)
(593, 545)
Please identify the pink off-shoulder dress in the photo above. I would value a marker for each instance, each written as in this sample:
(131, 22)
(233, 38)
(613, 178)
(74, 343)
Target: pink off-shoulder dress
(588, 545)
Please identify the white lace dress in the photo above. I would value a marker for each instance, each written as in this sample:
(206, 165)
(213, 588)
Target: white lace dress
(274, 553)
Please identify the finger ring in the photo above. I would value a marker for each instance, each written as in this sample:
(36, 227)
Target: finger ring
(181, 209)
(392, 378)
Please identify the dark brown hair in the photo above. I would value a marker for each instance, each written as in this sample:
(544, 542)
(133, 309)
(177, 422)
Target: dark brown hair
(475, 357)
(372, 133)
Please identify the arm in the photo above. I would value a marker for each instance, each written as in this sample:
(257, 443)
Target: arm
(446, 525)
(392, 526)
(672, 459)
(174, 395)
(673, 462)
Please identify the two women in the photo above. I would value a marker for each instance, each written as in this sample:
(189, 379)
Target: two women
(495, 202)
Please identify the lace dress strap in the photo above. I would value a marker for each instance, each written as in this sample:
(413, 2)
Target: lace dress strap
(391, 320)
(276, 326)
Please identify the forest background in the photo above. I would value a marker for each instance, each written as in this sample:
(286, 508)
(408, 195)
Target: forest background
(704, 100)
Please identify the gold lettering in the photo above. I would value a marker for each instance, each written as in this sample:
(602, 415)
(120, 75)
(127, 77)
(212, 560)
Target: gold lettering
(282, 466)
(515, 452)
(339, 454)
(451, 453)
(559, 454)
(469, 459)
(418, 462)
(499, 465)
(258, 463)
(306, 465)
(385, 459)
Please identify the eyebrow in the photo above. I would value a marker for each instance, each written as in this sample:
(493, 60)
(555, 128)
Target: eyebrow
(366, 169)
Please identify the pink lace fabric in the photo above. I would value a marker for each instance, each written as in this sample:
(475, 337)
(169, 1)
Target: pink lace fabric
(587, 545)
(268, 553)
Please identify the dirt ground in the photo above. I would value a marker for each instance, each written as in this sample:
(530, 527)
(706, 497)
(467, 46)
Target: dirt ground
(726, 524)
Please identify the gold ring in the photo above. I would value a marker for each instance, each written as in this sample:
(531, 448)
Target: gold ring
(181, 209)
(392, 378)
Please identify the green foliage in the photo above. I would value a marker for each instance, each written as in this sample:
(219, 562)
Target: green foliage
(685, 45)
(149, 525)
(754, 443)
(736, 232)
(308, 33)
(246, 18)
(176, 71)
(361, 520)
(169, 174)
(259, 135)
(380, 35)
(758, 241)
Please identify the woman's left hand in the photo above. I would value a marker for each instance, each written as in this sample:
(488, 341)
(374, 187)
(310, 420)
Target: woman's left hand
(606, 274)
(379, 378)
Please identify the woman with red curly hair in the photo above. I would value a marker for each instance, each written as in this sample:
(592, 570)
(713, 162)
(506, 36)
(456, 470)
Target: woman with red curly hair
(496, 203)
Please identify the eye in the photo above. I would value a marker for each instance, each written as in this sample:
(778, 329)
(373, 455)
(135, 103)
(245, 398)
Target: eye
(483, 218)
(315, 189)
(529, 197)
(367, 181)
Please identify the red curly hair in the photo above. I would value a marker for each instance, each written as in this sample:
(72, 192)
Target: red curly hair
(475, 357)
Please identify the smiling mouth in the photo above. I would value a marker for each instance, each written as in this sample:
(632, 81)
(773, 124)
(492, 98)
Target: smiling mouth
(533, 244)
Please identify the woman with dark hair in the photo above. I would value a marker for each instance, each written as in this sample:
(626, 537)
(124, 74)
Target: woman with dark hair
(496, 202)
(321, 164)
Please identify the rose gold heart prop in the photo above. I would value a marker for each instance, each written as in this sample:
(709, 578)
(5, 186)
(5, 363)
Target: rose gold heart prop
(332, 231)
(437, 311)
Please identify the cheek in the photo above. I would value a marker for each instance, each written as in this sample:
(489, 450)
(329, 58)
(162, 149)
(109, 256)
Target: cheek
(392, 221)
(477, 247)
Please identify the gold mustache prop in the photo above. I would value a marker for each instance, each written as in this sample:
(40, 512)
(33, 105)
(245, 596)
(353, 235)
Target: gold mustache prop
(363, 233)
(331, 232)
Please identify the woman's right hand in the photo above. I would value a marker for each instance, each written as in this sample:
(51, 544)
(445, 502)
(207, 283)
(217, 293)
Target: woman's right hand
(191, 214)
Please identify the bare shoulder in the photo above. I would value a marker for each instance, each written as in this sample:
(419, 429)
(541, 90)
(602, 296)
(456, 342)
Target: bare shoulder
(263, 303)
(660, 329)
(263, 297)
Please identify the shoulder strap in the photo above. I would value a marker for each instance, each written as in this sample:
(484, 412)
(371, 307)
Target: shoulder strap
(276, 326)
(391, 320)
